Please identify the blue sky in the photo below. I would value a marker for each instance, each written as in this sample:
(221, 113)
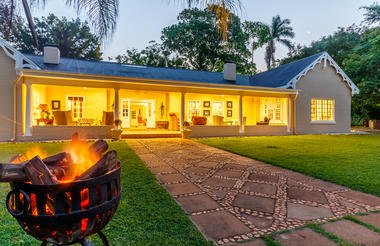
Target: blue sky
(142, 20)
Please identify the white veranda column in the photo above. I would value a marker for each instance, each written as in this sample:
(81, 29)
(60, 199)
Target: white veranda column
(182, 110)
(241, 114)
(116, 104)
(28, 110)
(288, 106)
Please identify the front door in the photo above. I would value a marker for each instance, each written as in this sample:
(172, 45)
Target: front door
(125, 113)
(129, 116)
(151, 114)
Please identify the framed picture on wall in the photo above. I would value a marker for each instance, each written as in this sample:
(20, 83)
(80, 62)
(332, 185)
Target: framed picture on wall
(229, 104)
(56, 104)
(206, 112)
(206, 104)
(229, 113)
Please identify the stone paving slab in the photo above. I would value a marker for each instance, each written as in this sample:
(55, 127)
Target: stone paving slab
(232, 198)
(371, 219)
(305, 212)
(300, 194)
(181, 189)
(353, 232)
(260, 188)
(260, 204)
(197, 203)
(219, 225)
(304, 237)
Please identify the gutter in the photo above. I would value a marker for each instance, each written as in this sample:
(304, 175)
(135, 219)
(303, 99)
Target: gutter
(15, 106)
(118, 79)
(294, 113)
(171, 84)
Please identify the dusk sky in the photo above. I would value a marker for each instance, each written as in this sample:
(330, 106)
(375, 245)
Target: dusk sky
(142, 20)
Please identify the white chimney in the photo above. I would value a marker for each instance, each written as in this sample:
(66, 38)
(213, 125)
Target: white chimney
(52, 54)
(229, 71)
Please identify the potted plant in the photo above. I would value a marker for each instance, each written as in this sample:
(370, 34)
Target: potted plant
(263, 123)
(186, 132)
(116, 132)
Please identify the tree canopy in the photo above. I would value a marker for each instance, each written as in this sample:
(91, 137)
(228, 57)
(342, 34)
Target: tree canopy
(74, 37)
(195, 39)
(195, 43)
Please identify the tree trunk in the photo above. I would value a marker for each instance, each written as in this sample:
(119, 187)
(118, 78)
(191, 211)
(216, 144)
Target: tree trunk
(30, 21)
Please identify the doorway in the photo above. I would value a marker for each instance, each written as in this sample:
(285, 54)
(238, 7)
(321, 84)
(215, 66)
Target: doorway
(138, 113)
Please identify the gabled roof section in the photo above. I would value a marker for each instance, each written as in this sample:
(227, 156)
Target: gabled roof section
(21, 61)
(88, 67)
(287, 76)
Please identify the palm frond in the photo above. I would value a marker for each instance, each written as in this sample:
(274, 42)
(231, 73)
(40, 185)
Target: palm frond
(101, 13)
(286, 42)
(222, 9)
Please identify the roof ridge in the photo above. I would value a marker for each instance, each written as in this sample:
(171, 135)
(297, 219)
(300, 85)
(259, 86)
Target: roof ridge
(129, 64)
(299, 60)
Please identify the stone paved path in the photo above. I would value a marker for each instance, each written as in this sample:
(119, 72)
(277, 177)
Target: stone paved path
(231, 198)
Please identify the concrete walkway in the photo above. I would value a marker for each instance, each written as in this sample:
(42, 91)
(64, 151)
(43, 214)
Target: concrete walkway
(232, 199)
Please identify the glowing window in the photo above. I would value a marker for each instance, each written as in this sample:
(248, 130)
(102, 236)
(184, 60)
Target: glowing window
(217, 108)
(194, 109)
(322, 110)
(76, 105)
(272, 108)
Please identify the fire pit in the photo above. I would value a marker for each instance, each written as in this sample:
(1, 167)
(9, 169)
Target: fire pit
(55, 203)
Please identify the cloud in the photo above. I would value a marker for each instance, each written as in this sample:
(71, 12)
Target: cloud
(308, 32)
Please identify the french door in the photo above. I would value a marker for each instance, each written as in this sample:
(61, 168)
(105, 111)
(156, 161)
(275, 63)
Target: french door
(125, 113)
(128, 115)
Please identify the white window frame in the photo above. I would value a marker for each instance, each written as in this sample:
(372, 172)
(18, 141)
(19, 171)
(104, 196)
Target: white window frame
(222, 106)
(83, 108)
(332, 121)
(263, 102)
(189, 108)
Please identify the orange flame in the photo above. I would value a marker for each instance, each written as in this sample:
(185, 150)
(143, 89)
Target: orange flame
(35, 150)
(83, 158)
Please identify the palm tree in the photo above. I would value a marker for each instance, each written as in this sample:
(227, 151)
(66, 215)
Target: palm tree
(103, 14)
(280, 30)
(259, 34)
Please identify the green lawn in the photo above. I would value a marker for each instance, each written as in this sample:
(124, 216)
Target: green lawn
(349, 160)
(147, 215)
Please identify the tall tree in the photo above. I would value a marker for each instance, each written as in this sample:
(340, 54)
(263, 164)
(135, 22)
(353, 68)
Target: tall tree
(73, 37)
(280, 31)
(103, 14)
(196, 40)
(338, 45)
(259, 34)
(372, 15)
(362, 66)
(153, 55)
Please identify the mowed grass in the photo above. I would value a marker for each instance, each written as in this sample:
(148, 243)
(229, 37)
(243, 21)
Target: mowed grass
(147, 215)
(349, 160)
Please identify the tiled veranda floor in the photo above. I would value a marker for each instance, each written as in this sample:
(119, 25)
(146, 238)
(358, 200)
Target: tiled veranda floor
(232, 198)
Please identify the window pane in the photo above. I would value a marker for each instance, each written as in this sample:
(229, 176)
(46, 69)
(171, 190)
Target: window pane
(322, 110)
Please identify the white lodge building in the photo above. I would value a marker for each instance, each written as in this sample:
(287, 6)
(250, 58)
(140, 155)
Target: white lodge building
(49, 97)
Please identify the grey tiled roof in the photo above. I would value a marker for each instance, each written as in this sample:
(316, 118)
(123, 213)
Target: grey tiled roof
(281, 75)
(276, 77)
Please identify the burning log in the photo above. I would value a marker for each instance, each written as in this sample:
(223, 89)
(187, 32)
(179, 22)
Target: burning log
(61, 166)
(12, 173)
(16, 172)
(38, 172)
(18, 158)
(104, 165)
(58, 159)
(99, 147)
